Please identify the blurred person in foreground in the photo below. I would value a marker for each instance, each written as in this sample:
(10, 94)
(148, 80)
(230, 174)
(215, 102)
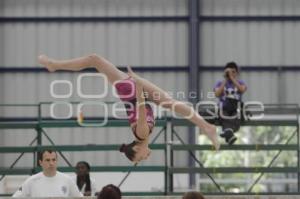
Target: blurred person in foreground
(193, 195)
(110, 191)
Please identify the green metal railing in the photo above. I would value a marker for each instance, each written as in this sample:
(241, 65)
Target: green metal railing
(39, 123)
(279, 110)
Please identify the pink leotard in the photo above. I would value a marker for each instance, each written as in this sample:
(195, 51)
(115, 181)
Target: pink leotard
(126, 90)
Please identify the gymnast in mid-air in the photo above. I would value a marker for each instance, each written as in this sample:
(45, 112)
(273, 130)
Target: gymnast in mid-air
(135, 90)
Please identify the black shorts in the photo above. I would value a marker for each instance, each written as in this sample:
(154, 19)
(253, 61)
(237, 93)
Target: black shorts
(229, 115)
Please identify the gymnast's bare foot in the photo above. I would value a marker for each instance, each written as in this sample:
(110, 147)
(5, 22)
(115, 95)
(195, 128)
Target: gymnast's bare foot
(45, 61)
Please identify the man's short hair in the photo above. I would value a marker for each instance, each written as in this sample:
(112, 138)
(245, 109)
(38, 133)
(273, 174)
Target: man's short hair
(41, 153)
(232, 65)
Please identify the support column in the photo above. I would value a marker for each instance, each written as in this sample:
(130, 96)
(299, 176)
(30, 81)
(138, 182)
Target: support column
(193, 72)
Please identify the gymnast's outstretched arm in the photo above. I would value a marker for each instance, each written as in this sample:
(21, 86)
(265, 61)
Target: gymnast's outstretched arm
(142, 128)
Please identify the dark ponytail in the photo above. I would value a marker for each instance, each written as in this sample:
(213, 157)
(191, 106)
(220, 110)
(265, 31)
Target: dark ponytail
(127, 149)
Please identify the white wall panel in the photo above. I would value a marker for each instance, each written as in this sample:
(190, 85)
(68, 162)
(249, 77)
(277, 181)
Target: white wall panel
(291, 88)
(16, 138)
(250, 7)
(94, 7)
(253, 43)
(135, 44)
(262, 86)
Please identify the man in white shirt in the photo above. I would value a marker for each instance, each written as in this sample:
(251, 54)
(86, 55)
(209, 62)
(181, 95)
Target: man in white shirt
(49, 182)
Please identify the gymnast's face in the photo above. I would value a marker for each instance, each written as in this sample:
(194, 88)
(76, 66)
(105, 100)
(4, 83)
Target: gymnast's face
(142, 153)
